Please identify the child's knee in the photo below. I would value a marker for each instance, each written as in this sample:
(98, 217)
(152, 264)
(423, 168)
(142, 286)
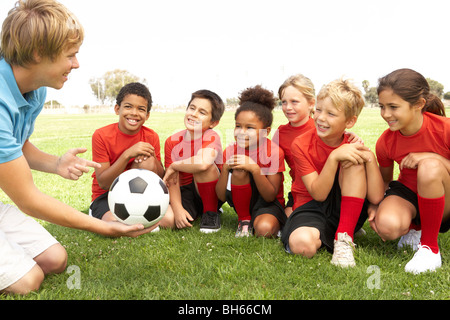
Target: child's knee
(303, 243)
(240, 176)
(430, 170)
(266, 227)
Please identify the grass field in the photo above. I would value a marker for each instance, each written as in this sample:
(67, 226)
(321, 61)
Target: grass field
(187, 264)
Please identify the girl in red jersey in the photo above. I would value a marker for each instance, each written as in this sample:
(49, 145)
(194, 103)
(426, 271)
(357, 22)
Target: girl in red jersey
(253, 167)
(297, 95)
(418, 139)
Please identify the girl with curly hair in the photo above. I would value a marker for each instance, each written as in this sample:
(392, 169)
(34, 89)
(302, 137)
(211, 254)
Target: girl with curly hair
(253, 167)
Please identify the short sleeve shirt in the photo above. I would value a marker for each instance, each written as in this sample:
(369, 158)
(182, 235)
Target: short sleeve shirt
(310, 154)
(17, 113)
(178, 148)
(433, 136)
(108, 144)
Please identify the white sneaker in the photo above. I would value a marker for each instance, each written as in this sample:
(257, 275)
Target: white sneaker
(343, 251)
(424, 260)
(411, 239)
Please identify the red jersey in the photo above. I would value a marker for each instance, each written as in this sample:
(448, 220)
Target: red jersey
(269, 157)
(108, 143)
(310, 154)
(433, 136)
(285, 135)
(177, 148)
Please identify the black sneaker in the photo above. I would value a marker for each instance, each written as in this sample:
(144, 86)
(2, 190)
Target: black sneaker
(210, 222)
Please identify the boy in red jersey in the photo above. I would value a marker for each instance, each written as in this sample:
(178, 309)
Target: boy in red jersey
(193, 158)
(417, 205)
(333, 178)
(124, 145)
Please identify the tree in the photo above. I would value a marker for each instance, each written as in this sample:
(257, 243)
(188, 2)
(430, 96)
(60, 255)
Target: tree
(108, 86)
(371, 95)
(436, 88)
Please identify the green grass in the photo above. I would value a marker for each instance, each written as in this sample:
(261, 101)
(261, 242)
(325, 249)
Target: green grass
(187, 264)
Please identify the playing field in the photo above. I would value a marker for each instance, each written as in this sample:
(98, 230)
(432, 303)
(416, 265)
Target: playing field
(187, 264)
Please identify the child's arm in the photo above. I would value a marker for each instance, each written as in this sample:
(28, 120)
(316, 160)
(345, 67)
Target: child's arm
(412, 160)
(182, 218)
(221, 185)
(107, 172)
(375, 183)
(267, 185)
(319, 185)
(204, 158)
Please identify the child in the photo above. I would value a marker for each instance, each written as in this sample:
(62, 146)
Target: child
(331, 185)
(418, 139)
(253, 167)
(124, 145)
(193, 158)
(297, 97)
(39, 43)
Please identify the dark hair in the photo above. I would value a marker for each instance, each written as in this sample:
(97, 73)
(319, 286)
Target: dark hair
(411, 86)
(260, 101)
(135, 88)
(217, 105)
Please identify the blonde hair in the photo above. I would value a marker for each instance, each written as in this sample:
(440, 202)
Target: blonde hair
(301, 83)
(42, 27)
(344, 96)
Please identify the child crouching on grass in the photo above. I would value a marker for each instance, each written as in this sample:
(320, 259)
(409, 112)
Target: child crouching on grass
(125, 145)
(416, 206)
(333, 179)
(193, 158)
(253, 166)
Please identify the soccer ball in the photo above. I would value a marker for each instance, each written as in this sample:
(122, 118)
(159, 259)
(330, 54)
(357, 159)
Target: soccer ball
(138, 196)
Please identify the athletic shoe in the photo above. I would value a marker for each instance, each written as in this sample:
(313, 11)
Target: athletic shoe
(424, 260)
(411, 239)
(343, 251)
(243, 229)
(210, 222)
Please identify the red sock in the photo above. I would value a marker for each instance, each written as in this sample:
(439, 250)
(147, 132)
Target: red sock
(207, 191)
(242, 196)
(414, 226)
(431, 212)
(350, 211)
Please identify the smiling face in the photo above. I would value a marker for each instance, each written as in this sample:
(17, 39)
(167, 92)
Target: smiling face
(54, 73)
(132, 113)
(331, 122)
(399, 114)
(295, 106)
(248, 129)
(198, 117)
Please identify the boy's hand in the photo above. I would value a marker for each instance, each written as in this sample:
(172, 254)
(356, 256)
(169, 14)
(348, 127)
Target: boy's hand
(141, 151)
(351, 154)
(119, 229)
(170, 177)
(70, 166)
(182, 219)
(353, 138)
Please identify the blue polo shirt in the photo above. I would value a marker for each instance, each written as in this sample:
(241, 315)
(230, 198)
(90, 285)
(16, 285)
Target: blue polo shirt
(17, 113)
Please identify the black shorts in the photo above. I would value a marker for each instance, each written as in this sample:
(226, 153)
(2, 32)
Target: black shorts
(290, 202)
(99, 206)
(323, 216)
(191, 201)
(397, 188)
(259, 206)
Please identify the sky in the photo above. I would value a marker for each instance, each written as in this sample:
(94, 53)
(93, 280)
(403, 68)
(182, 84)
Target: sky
(181, 46)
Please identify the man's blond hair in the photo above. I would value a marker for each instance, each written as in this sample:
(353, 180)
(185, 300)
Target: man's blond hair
(38, 27)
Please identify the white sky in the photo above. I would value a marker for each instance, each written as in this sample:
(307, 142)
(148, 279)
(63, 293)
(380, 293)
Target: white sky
(181, 46)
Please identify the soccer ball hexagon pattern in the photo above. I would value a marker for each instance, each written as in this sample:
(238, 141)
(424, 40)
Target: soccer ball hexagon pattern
(138, 196)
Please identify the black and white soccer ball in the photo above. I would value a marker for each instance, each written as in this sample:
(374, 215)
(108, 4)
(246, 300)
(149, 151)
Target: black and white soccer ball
(138, 196)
